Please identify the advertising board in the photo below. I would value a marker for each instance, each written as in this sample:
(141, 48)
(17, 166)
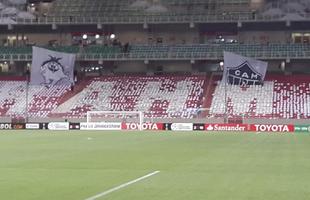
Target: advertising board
(272, 128)
(101, 126)
(226, 127)
(145, 126)
(58, 126)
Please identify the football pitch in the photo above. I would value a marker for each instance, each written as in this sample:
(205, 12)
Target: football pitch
(77, 165)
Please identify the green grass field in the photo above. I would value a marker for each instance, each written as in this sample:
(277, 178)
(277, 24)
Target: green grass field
(75, 165)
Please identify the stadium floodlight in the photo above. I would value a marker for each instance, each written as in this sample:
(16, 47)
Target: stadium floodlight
(97, 36)
(136, 117)
(112, 36)
(221, 65)
(84, 36)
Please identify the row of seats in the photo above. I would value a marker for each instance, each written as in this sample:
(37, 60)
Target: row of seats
(175, 9)
(272, 49)
(177, 96)
(16, 98)
(156, 96)
(279, 97)
(130, 8)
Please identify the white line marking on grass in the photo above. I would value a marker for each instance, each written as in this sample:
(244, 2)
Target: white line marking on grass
(122, 186)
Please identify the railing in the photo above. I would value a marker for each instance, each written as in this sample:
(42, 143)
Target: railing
(182, 52)
(154, 19)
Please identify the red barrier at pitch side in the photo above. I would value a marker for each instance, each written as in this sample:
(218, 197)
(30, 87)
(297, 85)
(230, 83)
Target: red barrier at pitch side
(272, 128)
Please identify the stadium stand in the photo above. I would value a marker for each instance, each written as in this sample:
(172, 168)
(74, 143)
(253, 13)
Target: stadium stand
(285, 97)
(288, 10)
(41, 100)
(140, 10)
(275, 31)
(157, 96)
(11, 10)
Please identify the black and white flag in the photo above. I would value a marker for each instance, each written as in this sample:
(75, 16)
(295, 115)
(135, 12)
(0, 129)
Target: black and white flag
(240, 70)
(51, 68)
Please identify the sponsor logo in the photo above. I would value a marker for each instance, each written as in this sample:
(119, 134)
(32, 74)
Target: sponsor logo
(6, 126)
(104, 126)
(74, 126)
(18, 126)
(272, 128)
(32, 126)
(145, 126)
(244, 74)
(302, 128)
(182, 126)
(226, 127)
(199, 127)
(53, 71)
(61, 126)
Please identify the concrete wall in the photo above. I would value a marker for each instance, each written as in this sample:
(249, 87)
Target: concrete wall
(176, 34)
(264, 36)
(130, 66)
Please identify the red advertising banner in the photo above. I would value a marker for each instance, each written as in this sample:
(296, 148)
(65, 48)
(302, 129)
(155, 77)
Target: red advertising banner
(226, 127)
(272, 128)
(145, 126)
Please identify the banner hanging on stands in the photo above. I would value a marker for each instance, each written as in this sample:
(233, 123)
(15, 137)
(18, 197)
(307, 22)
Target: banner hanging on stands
(51, 68)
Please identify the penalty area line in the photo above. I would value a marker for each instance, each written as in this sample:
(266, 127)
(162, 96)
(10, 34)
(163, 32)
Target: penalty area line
(122, 186)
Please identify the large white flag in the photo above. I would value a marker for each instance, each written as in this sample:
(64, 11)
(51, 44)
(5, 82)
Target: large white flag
(51, 67)
(240, 70)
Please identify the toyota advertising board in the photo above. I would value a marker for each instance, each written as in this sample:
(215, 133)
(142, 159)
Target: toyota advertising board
(145, 126)
(272, 128)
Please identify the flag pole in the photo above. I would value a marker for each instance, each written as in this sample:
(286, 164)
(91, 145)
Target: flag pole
(225, 100)
(27, 91)
(225, 78)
